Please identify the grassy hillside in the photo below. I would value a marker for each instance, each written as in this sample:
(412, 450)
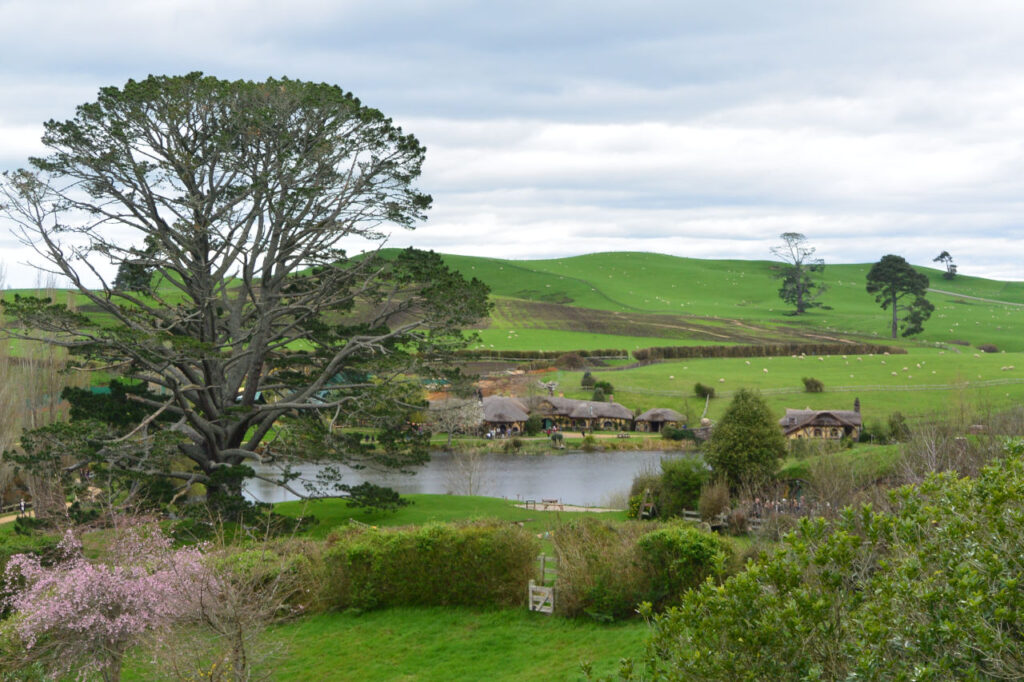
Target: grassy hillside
(632, 300)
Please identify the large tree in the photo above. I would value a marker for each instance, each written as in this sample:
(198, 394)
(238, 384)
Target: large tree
(746, 444)
(225, 207)
(947, 261)
(899, 286)
(799, 272)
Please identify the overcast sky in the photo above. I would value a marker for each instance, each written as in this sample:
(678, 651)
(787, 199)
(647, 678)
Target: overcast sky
(699, 129)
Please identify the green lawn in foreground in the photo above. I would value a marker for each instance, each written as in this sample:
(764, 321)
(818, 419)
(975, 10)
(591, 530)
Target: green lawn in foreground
(452, 644)
(441, 644)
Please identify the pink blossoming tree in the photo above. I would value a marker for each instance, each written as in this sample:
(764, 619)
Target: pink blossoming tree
(80, 617)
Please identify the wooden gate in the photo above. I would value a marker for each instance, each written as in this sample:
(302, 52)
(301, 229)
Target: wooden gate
(541, 598)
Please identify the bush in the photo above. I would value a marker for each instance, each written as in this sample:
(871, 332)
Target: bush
(598, 574)
(714, 499)
(898, 429)
(682, 480)
(598, 396)
(702, 391)
(988, 348)
(475, 564)
(533, 425)
(589, 444)
(812, 385)
(678, 558)
(605, 386)
(570, 361)
(605, 570)
(930, 590)
(587, 381)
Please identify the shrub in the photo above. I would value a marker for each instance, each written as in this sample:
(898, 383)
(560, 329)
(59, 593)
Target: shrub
(714, 499)
(682, 480)
(988, 348)
(474, 564)
(589, 444)
(533, 425)
(812, 385)
(898, 429)
(678, 558)
(598, 396)
(598, 574)
(930, 590)
(570, 361)
(702, 391)
(606, 570)
(587, 381)
(605, 386)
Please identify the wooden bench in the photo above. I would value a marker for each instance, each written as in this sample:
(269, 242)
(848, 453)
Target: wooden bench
(552, 503)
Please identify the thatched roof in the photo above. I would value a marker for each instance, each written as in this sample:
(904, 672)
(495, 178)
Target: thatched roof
(661, 414)
(798, 419)
(586, 409)
(503, 410)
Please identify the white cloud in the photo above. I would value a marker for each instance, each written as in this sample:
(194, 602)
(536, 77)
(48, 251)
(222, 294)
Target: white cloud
(693, 128)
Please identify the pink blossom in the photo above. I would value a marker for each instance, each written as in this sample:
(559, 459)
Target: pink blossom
(88, 614)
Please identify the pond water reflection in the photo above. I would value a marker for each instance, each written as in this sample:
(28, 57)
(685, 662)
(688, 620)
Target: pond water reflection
(583, 478)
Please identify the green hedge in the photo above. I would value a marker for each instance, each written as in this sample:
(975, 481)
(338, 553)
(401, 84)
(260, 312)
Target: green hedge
(491, 354)
(475, 564)
(761, 351)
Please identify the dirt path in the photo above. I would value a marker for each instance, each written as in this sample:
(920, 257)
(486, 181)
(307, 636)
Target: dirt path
(556, 506)
(975, 298)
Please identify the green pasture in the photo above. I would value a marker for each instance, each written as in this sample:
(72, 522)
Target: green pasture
(728, 291)
(924, 381)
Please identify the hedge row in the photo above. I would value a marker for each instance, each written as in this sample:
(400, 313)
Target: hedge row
(767, 350)
(490, 354)
(477, 564)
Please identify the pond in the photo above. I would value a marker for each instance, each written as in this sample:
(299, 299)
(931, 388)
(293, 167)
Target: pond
(590, 479)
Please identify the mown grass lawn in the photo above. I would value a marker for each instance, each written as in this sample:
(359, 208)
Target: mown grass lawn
(451, 644)
(447, 644)
(432, 509)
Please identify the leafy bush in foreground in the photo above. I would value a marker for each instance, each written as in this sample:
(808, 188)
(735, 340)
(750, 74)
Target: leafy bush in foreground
(931, 590)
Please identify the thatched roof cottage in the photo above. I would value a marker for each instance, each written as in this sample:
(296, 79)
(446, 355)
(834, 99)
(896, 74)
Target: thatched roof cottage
(504, 414)
(656, 419)
(829, 424)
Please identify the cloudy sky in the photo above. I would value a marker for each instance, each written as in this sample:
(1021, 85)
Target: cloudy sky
(555, 128)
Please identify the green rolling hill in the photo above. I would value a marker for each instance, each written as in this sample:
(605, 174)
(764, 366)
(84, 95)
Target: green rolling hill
(631, 300)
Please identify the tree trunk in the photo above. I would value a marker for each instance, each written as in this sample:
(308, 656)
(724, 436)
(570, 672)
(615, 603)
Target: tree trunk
(895, 318)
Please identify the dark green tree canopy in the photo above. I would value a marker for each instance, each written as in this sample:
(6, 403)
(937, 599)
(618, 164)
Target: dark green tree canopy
(224, 206)
(897, 285)
(800, 272)
(747, 443)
